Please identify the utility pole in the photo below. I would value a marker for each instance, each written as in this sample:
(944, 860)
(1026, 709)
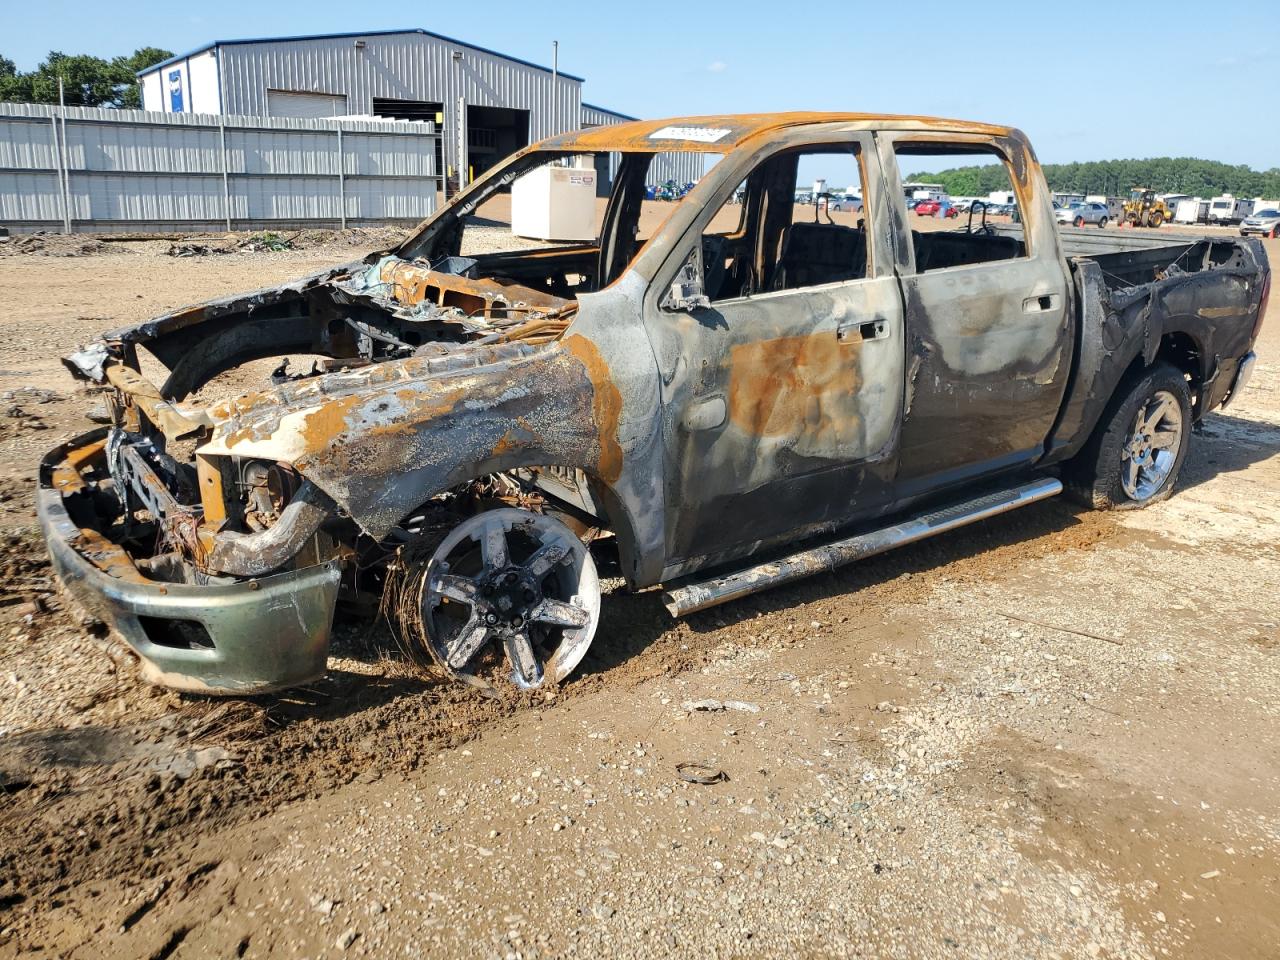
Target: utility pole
(555, 87)
(65, 176)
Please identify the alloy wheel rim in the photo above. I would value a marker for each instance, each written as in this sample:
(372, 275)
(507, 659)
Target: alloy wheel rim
(1149, 454)
(539, 604)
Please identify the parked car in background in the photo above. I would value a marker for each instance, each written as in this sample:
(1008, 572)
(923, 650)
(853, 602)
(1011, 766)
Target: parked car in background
(1079, 214)
(1264, 222)
(936, 208)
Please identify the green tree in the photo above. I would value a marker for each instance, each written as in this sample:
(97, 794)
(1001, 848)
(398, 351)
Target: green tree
(127, 69)
(87, 81)
(1190, 175)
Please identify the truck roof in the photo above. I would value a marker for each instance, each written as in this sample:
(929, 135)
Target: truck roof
(724, 132)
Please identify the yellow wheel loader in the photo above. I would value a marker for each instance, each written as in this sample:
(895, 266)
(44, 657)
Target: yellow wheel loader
(1142, 209)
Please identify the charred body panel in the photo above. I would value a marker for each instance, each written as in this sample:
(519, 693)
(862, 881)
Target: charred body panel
(988, 332)
(788, 420)
(1204, 297)
(382, 440)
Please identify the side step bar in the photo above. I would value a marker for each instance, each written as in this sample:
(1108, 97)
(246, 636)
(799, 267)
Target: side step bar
(699, 595)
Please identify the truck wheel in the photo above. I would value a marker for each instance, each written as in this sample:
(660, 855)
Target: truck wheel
(1137, 449)
(1102, 224)
(503, 584)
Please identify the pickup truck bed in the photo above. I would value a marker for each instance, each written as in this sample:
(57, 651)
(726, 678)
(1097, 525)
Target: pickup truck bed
(1133, 287)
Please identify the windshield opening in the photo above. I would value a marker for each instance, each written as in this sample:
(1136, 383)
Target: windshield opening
(562, 222)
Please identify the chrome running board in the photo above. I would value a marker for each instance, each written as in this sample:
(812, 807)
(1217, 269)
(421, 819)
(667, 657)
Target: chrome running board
(693, 596)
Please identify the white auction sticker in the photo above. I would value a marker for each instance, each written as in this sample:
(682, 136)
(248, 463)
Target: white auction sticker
(700, 134)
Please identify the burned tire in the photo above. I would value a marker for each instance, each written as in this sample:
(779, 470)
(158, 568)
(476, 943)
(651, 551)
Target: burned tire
(1137, 449)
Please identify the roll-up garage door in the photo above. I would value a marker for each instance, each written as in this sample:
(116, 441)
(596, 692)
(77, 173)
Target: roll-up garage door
(294, 103)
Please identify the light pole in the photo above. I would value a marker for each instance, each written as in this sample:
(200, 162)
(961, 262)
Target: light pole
(555, 87)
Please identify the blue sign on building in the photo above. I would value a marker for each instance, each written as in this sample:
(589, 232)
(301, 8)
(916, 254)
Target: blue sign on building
(175, 91)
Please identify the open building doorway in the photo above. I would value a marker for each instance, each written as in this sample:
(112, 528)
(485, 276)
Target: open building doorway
(493, 134)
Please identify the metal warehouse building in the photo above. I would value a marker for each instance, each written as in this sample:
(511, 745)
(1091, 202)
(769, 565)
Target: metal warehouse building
(487, 104)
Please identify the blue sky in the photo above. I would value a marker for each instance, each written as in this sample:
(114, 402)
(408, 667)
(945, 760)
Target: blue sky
(1086, 80)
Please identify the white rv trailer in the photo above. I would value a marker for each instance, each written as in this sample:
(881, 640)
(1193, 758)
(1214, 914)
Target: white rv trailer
(1191, 210)
(924, 191)
(1227, 209)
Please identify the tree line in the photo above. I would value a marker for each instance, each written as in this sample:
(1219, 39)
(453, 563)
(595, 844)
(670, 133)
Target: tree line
(1190, 175)
(86, 81)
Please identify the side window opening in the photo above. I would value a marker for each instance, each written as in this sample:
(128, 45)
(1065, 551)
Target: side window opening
(795, 221)
(961, 205)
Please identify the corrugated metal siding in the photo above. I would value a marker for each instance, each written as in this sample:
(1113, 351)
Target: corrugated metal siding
(281, 103)
(595, 117)
(680, 167)
(26, 143)
(402, 66)
(133, 170)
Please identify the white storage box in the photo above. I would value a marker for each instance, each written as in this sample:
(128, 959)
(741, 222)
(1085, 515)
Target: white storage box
(555, 203)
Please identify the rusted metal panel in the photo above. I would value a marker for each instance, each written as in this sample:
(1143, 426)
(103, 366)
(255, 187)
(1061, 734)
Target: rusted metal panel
(721, 133)
(382, 439)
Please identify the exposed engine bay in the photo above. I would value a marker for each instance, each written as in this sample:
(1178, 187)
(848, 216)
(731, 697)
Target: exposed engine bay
(438, 320)
(164, 495)
(228, 508)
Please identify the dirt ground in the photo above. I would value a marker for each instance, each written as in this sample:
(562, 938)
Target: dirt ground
(1052, 734)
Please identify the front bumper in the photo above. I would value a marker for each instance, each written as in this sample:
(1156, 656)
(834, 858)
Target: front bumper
(253, 636)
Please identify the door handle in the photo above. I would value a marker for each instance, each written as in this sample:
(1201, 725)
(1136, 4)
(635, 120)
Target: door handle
(860, 330)
(1041, 304)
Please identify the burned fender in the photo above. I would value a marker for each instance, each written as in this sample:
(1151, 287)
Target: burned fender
(382, 440)
(1119, 327)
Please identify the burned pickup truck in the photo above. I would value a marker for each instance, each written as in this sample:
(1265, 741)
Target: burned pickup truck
(469, 432)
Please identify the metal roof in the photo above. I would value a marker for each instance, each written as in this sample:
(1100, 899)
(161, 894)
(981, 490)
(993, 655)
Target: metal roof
(354, 35)
(612, 113)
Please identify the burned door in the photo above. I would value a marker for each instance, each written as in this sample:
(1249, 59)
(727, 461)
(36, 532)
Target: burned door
(986, 302)
(782, 388)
